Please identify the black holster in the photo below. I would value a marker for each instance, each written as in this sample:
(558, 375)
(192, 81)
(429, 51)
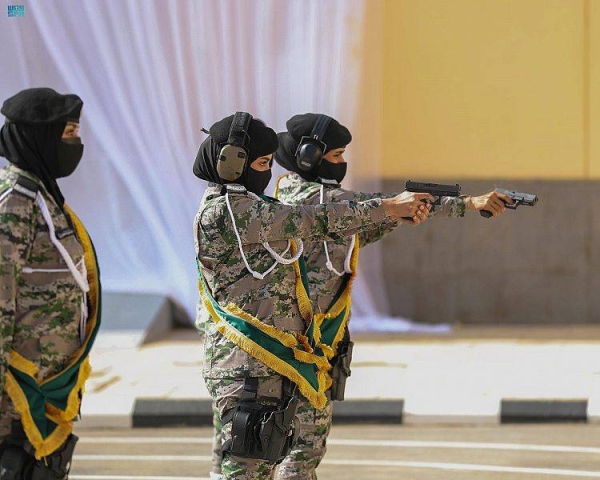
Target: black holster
(340, 369)
(18, 462)
(263, 427)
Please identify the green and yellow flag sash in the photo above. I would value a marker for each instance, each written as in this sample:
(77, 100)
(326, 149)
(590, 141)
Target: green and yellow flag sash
(297, 357)
(331, 325)
(48, 407)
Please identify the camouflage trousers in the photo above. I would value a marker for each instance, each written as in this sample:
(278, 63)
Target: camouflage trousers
(305, 457)
(302, 461)
(217, 451)
(226, 394)
(48, 350)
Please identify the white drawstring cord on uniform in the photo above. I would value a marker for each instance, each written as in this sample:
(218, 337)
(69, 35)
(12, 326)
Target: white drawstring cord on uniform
(274, 254)
(347, 267)
(50, 270)
(79, 278)
(328, 264)
(5, 194)
(278, 258)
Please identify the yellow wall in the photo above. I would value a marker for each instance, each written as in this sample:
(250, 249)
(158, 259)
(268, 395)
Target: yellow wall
(490, 88)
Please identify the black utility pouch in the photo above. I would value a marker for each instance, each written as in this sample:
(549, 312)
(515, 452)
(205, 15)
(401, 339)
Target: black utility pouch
(57, 465)
(18, 462)
(243, 424)
(14, 463)
(279, 431)
(340, 370)
(262, 427)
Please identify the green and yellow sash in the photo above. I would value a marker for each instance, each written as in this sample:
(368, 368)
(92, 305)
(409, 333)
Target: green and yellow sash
(297, 357)
(48, 407)
(331, 325)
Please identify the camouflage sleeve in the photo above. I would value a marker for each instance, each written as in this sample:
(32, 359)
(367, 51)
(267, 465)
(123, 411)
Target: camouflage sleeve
(202, 316)
(342, 194)
(268, 222)
(376, 231)
(450, 207)
(16, 234)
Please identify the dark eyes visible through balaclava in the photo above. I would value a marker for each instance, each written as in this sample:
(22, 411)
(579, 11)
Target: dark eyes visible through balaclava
(70, 151)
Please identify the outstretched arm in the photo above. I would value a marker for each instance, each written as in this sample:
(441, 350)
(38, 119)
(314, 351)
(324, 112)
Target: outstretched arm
(457, 206)
(259, 222)
(493, 202)
(376, 231)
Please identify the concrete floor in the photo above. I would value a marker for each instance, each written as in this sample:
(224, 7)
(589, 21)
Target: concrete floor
(461, 377)
(373, 452)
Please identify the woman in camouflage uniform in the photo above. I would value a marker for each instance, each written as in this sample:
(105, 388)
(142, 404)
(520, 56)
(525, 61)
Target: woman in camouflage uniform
(261, 346)
(49, 288)
(331, 265)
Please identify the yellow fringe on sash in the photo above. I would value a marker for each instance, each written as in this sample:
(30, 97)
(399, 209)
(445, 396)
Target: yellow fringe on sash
(73, 402)
(285, 338)
(301, 294)
(22, 364)
(344, 301)
(316, 397)
(44, 447)
(305, 342)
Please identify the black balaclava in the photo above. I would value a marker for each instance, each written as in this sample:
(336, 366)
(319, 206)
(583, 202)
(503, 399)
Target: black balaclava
(336, 136)
(332, 171)
(31, 137)
(262, 141)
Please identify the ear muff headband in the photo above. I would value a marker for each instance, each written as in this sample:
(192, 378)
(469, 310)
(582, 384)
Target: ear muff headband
(310, 151)
(233, 155)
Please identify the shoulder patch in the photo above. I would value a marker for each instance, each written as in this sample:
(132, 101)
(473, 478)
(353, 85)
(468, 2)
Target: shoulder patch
(26, 186)
(329, 183)
(234, 187)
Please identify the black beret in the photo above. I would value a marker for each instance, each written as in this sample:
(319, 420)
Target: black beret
(262, 139)
(336, 135)
(38, 106)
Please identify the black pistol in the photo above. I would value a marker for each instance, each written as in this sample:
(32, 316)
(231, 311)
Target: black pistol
(436, 189)
(527, 199)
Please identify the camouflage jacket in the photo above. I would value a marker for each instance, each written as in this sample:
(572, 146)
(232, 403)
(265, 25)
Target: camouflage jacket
(292, 189)
(273, 299)
(41, 304)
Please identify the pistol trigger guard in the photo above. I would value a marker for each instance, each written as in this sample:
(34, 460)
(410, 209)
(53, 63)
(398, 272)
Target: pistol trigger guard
(514, 205)
(429, 202)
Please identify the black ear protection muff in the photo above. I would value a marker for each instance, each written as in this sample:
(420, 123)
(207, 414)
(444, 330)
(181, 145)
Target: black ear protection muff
(311, 149)
(233, 155)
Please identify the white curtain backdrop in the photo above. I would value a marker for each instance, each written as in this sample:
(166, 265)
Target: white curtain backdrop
(152, 74)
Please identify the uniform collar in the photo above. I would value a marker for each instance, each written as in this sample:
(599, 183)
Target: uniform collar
(216, 190)
(19, 172)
